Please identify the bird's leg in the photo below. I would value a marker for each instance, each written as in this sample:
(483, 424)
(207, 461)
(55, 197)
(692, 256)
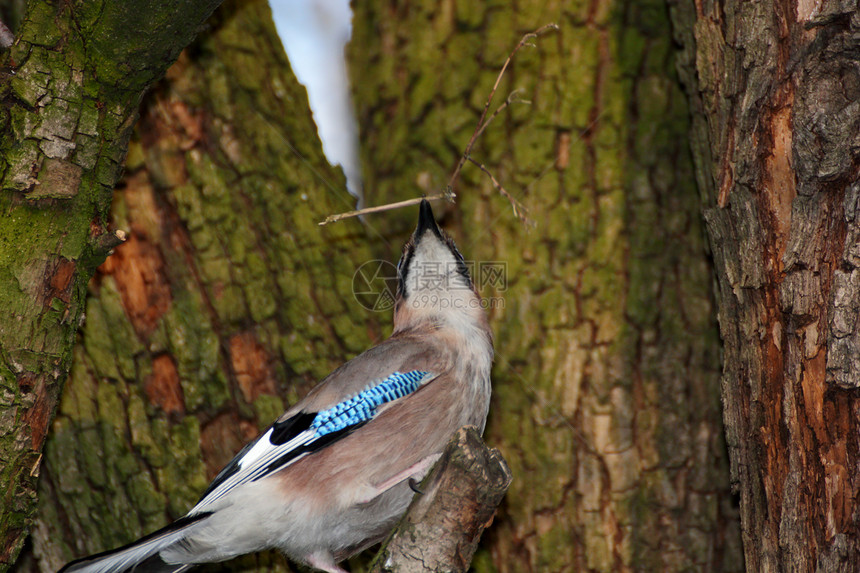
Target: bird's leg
(416, 471)
(324, 562)
(413, 485)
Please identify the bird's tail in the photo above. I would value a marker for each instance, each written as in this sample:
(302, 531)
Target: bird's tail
(140, 556)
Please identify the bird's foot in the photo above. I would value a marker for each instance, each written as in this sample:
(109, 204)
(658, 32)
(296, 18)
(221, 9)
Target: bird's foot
(324, 562)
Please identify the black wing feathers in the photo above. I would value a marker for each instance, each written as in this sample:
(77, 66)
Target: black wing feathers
(314, 446)
(283, 432)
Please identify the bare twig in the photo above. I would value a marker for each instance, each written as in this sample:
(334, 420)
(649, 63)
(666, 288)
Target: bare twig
(483, 122)
(512, 97)
(519, 210)
(481, 125)
(334, 218)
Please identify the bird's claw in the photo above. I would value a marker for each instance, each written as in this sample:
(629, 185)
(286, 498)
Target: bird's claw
(413, 485)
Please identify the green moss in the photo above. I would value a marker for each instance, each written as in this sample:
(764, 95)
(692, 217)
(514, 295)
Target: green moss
(28, 84)
(268, 409)
(531, 147)
(107, 170)
(231, 305)
(100, 349)
(36, 230)
(575, 109)
(482, 562)
(261, 300)
(297, 353)
(214, 268)
(209, 179)
(468, 14)
(632, 48)
(22, 121)
(350, 334)
(644, 289)
(608, 241)
(146, 500)
(90, 454)
(194, 347)
(550, 547)
(190, 208)
(185, 477)
(78, 403)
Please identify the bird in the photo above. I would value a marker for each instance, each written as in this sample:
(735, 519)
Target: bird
(334, 473)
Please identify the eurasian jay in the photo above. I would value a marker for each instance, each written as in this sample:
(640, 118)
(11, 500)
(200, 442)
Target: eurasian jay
(332, 475)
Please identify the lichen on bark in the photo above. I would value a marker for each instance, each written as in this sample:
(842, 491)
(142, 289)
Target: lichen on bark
(226, 302)
(606, 380)
(67, 114)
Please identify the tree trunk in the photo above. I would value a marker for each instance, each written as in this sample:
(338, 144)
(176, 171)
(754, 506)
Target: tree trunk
(71, 86)
(606, 381)
(776, 85)
(226, 303)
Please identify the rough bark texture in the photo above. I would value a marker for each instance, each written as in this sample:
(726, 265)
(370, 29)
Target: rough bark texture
(441, 529)
(606, 381)
(70, 90)
(226, 303)
(775, 87)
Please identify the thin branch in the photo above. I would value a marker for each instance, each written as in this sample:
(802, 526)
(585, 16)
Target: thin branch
(512, 97)
(519, 209)
(481, 125)
(483, 122)
(334, 218)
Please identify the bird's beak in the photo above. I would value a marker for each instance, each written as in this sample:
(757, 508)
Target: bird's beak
(426, 221)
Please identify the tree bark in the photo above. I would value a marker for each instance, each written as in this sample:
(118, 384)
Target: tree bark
(226, 303)
(775, 86)
(606, 381)
(226, 298)
(71, 88)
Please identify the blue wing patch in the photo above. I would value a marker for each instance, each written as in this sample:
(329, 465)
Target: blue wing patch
(362, 407)
(304, 433)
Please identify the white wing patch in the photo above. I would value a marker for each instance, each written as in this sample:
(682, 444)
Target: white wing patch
(286, 442)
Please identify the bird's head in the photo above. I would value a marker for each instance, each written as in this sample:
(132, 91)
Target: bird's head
(434, 285)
